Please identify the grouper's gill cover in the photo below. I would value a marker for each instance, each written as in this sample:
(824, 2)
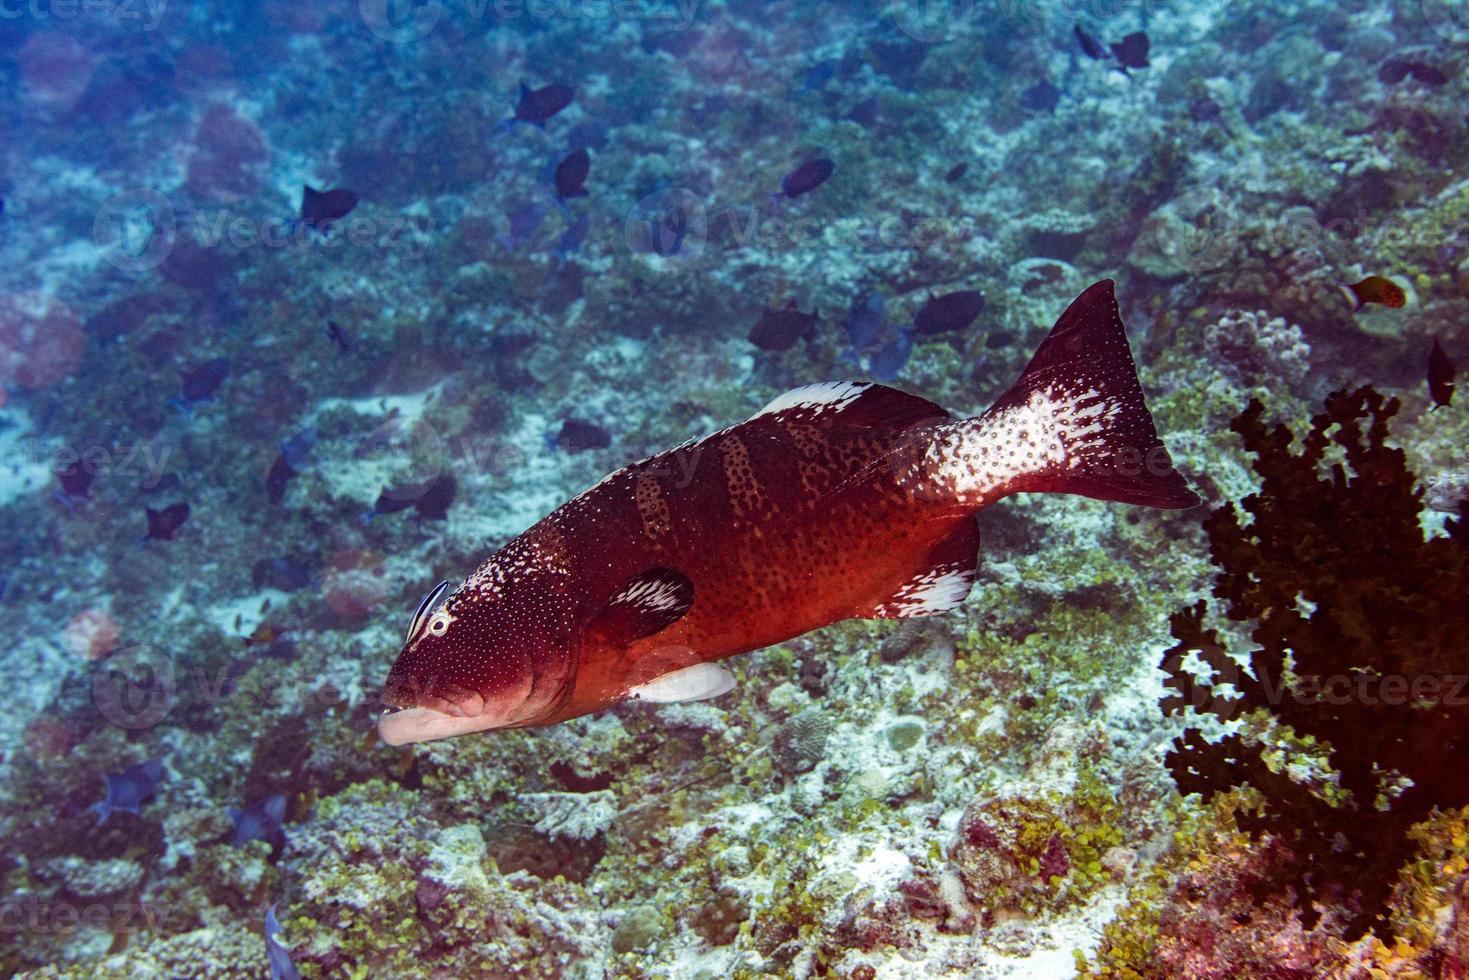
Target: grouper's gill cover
(835, 501)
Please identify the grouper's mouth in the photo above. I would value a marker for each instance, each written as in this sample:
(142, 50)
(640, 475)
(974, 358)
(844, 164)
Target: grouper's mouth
(415, 715)
(400, 726)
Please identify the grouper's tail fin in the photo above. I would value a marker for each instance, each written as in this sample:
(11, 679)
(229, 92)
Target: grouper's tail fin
(1075, 421)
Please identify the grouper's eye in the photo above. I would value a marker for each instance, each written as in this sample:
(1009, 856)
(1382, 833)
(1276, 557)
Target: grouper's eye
(423, 607)
(439, 625)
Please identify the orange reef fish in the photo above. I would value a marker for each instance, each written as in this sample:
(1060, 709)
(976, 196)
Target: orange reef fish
(835, 501)
(1374, 289)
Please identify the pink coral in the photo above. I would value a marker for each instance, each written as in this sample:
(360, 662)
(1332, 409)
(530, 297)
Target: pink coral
(41, 341)
(1257, 348)
(229, 158)
(92, 634)
(55, 69)
(47, 738)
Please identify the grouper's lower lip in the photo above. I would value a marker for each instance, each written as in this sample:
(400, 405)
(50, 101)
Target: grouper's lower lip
(405, 725)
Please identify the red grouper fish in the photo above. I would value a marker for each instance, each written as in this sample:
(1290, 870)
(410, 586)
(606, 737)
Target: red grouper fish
(835, 501)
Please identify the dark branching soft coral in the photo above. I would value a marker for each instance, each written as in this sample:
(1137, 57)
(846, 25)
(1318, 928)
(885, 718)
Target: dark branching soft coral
(1362, 646)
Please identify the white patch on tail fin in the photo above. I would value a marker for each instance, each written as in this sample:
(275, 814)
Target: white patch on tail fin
(1074, 422)
(829, 396)
(698, 682)
(931, 593)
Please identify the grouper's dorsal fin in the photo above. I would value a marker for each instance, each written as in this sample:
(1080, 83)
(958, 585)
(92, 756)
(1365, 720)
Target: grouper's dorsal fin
(647, 603)
(852, 403)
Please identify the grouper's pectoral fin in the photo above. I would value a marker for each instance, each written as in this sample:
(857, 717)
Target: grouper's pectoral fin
(940, 583)
(697, 682)
(649, 602)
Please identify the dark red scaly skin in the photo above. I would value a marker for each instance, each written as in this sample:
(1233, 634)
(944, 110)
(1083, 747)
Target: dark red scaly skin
(782, 528)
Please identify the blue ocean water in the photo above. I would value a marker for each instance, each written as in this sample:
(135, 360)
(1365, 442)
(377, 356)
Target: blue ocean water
(306, 308)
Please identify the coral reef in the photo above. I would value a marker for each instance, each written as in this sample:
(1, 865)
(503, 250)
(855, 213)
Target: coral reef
(1359, 626)
(1256, 347)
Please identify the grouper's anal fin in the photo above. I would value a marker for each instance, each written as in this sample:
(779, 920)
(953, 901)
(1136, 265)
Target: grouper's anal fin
(940, 583)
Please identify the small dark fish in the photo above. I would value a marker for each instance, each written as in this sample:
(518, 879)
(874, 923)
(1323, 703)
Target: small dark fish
(819, 74)
(339, 336)
(957, 171)
(900, 61)
(1090, 46)
(260, 821)
(1374, 289)
(524, 222)
(163, 523)
(538, 105)
(298, 447)
(1041, 97)
(865, 321)
(392, 500)
(577, 436)
(128, 790)
(571, 174)
(864, 113)
(1440, 376)
(76, 479)
(431, 498)
(885, 363)
(949, 312)
(806, 178)
(1204, 109)
(433, 503)
(572, 237)
(279, 958)
(678, 43)
(279, 473)
(778, 330)
(320, 208)
(281, 573)
(998, 339)
(1132, 50)
(201, 381)
(1394, 70)
(877, 347)
(1427, 74)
